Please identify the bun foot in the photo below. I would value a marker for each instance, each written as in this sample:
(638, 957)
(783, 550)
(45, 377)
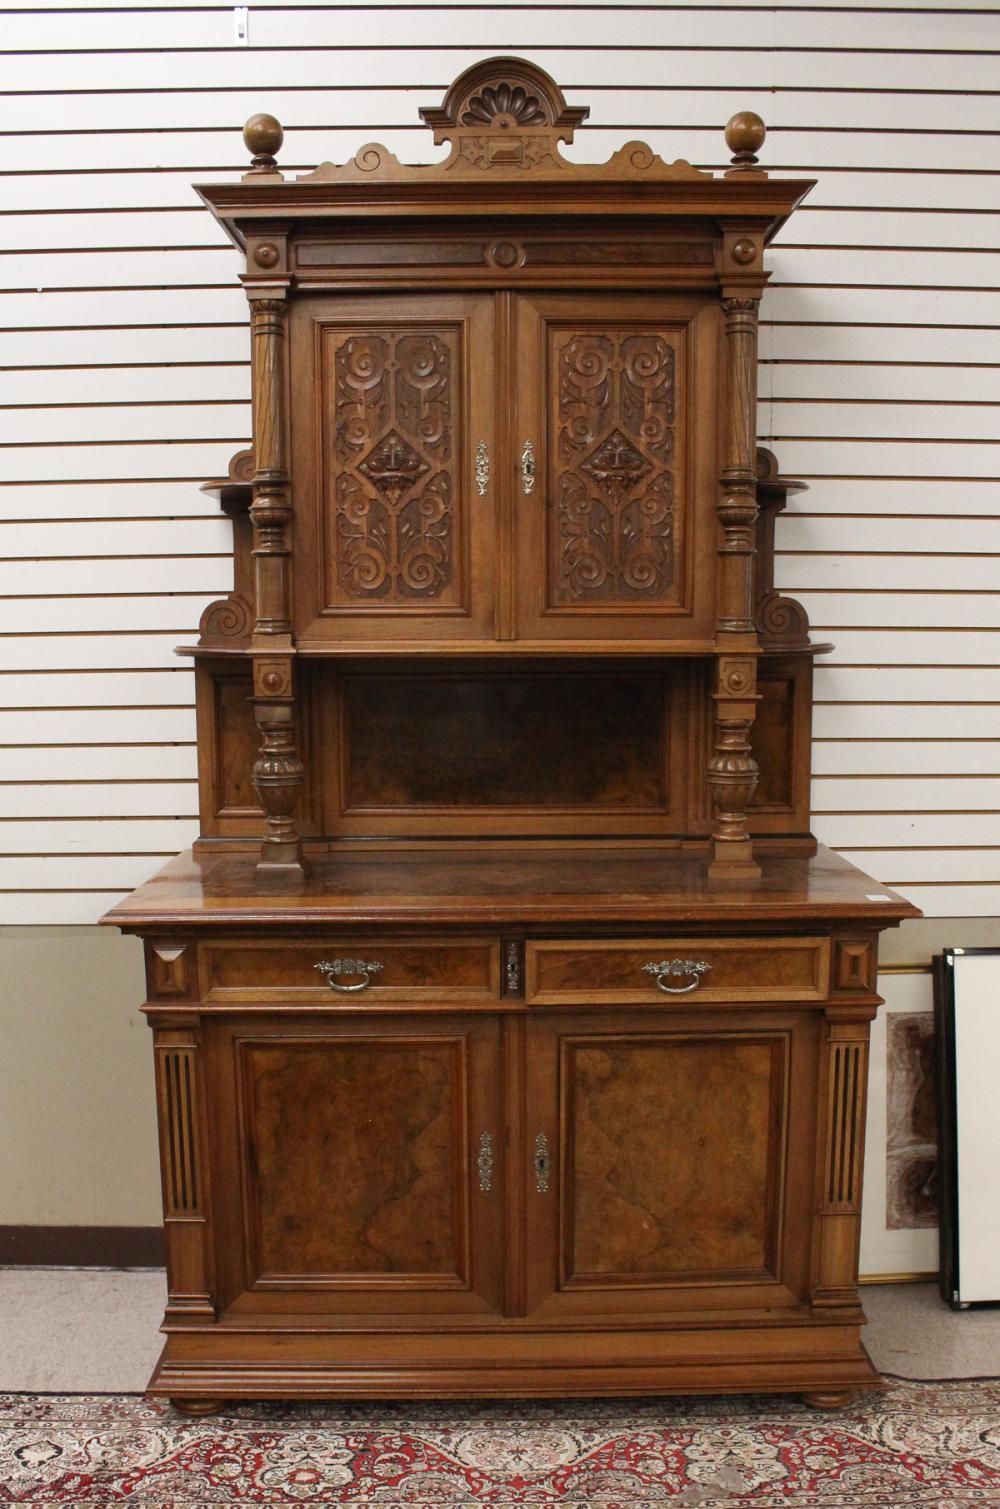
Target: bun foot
(834, 1399)
(197, 1406)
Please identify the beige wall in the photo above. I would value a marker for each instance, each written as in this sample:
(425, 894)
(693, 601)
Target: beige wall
(78, 1131)
(78, 1126)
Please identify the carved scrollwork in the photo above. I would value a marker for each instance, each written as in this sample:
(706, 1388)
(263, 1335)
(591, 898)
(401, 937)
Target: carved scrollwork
(782, 620)
(612, 523)
(393, 495)
(227, 621)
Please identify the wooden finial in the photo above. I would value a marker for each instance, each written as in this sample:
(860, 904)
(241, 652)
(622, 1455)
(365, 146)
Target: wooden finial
(745, 132)
(263, 136)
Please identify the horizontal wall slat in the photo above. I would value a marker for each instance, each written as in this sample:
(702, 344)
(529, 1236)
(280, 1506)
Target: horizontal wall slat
(91, 725)
(137, 762)
(126, 384)
(798, 532)
(212, 575)
(928, 757)
(954, 901)
(874, 421)
(59, 872)
(339, 27)
(897, 495)
(875, 342)
(99, 615)
(116, 346)
(105, 499)
(100, 799)
(90, 537)
(172, 687)
(904, 866)
(374, 65)
(139, 835)
(937, 610)
(840, 683)
(860, 830)
(57, 909)
(879, 384)
(168, 422)
(900, 720)
(70, 652)
(923, 572)
(895, 794)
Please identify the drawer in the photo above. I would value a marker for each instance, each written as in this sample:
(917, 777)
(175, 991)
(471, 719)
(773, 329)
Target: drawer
(615, 970)
(401, 969)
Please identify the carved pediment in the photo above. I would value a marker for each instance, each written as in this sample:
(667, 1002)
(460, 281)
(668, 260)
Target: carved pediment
(506, 117)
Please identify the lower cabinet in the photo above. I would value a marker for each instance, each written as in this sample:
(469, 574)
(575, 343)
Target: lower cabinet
(415, 1191)
(659, 1159)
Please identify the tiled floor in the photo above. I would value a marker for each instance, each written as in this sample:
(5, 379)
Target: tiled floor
(93, 1330)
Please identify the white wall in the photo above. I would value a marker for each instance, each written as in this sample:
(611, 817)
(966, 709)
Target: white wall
(125, 381)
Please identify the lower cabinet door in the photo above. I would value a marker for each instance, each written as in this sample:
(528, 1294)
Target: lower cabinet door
(671, 1161)
(356, 1164)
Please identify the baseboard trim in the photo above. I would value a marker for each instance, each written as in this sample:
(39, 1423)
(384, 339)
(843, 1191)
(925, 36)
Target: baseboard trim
(899, 1278)
(82, 1246)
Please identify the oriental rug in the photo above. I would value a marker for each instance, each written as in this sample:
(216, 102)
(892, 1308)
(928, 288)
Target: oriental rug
(915, 1444)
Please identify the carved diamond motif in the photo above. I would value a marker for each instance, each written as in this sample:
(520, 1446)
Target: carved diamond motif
(393, 466)
(616, 466)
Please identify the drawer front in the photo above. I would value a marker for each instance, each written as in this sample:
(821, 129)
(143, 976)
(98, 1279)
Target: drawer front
(354, 970)
(608, 971)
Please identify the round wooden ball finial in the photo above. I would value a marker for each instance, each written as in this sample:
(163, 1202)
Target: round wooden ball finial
(263, 135)
(745, 132)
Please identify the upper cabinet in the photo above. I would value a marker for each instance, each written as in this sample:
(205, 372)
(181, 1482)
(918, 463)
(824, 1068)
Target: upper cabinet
(553, 487)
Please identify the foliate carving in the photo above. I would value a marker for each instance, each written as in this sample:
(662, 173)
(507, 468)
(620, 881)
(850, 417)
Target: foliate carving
(612, 523)
(394, 448)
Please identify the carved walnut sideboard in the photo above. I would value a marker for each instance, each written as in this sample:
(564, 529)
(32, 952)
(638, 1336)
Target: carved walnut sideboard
(510, 1026)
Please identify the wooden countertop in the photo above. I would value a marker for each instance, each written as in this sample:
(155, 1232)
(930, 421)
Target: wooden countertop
(496, 884)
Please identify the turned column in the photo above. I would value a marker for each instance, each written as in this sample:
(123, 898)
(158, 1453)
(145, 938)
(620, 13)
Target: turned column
(278, 771)
(732, 770)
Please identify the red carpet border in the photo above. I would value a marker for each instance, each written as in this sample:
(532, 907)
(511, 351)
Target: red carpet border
(916, 1444)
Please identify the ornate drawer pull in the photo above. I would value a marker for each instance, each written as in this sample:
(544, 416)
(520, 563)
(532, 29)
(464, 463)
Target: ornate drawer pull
(674, 967)
(484, 1163)
(364, 967)
(541, 1163)
(527, 468)
(482, 468)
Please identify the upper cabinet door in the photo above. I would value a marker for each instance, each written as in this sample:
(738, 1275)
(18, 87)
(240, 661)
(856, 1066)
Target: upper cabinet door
(393, 468)
(614, 517)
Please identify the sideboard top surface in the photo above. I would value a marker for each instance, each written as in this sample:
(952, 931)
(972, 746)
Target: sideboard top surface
(496, 884)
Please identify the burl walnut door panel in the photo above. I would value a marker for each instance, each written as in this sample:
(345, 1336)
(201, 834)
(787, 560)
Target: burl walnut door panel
(361, 1164)
(614, 533)
(679, 1172)
(394, 472)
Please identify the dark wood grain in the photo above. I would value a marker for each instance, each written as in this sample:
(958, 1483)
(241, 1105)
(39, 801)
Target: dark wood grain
(531, 716)
(671, 1157)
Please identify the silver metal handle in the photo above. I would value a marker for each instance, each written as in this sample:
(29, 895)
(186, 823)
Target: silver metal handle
(527, 468)
(672, 968)
(541, 1163)
(482, 468)
(484, 1163)
(328, 968)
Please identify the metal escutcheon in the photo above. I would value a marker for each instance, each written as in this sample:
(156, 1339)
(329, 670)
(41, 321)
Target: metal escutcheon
(482, 468)
(672, 968)
(541, 1163)
(484, 1163)
(328, 968)
(527, 468)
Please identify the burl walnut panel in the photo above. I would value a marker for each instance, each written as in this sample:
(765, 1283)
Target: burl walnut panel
(646, 1119)
(610, 971)
(356, 1159)
(528, 740)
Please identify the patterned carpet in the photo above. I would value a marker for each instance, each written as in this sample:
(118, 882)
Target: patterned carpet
(917, 1444)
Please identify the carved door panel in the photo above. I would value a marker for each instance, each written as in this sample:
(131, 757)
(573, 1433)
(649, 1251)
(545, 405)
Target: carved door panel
(394, 467)
(614, 515)
(361, 1164)
(673, 1161)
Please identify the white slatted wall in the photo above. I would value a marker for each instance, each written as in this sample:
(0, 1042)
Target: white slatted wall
(124, 380)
